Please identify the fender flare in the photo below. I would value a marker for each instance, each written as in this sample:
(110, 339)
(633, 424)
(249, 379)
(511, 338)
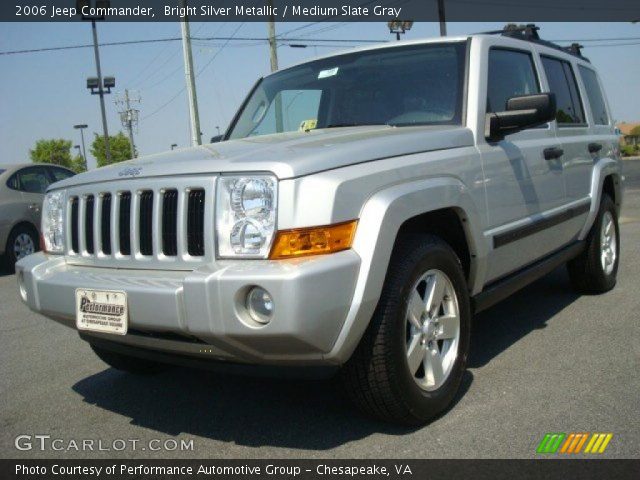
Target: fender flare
(602, 169)
(380, 220)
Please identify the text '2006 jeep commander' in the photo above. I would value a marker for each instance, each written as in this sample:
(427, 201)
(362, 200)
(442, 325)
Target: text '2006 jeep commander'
(361, 208)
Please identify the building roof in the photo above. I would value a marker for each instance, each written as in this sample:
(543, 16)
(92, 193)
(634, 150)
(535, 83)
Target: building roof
(625, 128)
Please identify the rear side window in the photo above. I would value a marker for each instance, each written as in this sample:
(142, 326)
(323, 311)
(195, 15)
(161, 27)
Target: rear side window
(562, 82)
(511, 74)
(31, 180)
(58, 174)
(594, 94)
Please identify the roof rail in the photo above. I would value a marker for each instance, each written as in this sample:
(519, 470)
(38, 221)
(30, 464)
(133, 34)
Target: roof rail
(529, 33)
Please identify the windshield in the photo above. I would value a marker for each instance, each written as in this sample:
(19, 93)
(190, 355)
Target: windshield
(401, 86)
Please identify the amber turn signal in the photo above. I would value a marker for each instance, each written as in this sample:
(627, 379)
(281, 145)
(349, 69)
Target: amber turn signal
(301, 242)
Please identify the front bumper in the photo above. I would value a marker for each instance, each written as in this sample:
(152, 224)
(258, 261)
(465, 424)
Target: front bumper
(201, 313)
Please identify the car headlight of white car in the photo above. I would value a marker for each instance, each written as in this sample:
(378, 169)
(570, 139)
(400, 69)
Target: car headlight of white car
(246, 215)
(53, 222)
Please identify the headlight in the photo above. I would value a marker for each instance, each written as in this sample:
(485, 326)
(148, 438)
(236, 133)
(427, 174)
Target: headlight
(246, 215)
(53, 222)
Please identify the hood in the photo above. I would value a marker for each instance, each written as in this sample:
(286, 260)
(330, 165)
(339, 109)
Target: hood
(287, 155)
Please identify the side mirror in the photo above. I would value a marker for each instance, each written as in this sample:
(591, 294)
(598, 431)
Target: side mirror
(522, 112)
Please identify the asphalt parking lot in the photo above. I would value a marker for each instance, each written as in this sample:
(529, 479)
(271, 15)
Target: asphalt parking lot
(545, 360)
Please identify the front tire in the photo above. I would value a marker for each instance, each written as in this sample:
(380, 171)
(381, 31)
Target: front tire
(129, 364)
(409, 364)
(595, 270)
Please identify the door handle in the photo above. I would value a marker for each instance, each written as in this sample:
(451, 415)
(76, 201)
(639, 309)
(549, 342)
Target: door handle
(594, 147)
(553, 153)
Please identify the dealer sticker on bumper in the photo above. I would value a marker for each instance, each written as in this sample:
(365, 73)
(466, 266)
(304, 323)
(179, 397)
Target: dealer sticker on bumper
(102, 311)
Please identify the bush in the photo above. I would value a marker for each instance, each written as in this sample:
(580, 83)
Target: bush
(629, 150)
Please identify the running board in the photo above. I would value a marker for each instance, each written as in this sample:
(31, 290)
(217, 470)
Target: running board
(503, 288)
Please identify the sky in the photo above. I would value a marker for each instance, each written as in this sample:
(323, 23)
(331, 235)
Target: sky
(42, 95)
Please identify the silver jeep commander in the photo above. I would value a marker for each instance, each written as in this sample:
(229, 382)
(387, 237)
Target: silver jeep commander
(360, 209)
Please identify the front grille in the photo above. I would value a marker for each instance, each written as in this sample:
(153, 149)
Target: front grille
(195, 223)
(146, 221)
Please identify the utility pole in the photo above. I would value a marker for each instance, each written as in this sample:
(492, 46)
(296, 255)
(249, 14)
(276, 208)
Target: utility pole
(443, 24)
(129, 117)
(105, 129)
(271, 27)
(273, 50)
(190, 79)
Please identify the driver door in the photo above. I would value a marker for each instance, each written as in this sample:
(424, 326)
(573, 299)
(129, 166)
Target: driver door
(522, 186)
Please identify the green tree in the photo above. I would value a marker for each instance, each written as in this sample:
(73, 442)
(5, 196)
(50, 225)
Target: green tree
(56, 151)
(77, 164)
(635, 131)
(119, 145)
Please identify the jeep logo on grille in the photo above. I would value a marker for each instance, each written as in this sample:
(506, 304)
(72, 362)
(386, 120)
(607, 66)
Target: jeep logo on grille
(130, 172)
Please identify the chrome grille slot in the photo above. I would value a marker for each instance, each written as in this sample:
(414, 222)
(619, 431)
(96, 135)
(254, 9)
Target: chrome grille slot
(124, 223)
(88, 224)
(170, 223)
(105, 224)
(195, 223)
(145, 222)
(75, 242)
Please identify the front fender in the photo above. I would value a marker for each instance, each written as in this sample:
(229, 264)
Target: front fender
(380, 220)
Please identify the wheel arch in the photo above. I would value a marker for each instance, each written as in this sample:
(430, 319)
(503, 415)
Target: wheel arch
(22, 223)
(449, 225)
(442, 206)
(607, 178)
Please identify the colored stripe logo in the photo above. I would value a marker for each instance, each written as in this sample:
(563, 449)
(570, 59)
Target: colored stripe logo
(574, 443)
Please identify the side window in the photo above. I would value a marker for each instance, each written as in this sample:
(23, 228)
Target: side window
(58, 174)
(562, 82)
(32, 180)
(594, 94)
(511, 74)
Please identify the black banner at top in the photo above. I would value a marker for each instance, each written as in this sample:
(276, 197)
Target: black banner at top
(322, 10)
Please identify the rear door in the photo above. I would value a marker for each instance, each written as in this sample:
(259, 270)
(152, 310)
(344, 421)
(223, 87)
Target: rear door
(572, 130)
(603, 141)
(522, 187)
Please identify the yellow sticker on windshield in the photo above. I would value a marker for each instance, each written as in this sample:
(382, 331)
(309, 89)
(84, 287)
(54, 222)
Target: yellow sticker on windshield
(307, 125)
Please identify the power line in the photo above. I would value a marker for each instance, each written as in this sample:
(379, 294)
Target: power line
(197, 74)
(175, 39)
(594, 39)
(135, 80)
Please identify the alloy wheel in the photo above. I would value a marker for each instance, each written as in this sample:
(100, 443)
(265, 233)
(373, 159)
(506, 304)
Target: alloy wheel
(432, 329)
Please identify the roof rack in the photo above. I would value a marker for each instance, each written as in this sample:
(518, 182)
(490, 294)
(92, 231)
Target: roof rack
(529, 33)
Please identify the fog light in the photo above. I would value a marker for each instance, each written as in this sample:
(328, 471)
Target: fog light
(260, 305)
(21, 287)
